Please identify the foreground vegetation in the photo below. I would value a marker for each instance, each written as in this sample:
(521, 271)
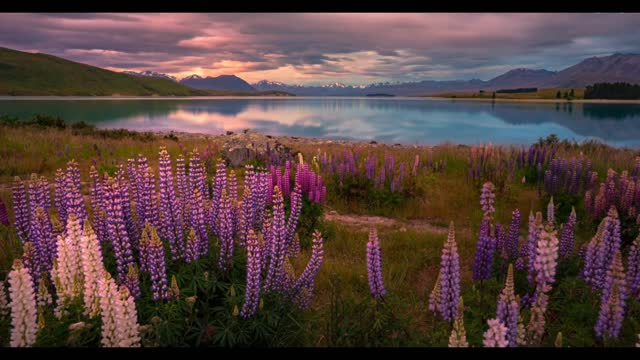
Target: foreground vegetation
(443, 188)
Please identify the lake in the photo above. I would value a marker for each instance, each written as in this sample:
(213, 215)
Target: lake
(389, 120)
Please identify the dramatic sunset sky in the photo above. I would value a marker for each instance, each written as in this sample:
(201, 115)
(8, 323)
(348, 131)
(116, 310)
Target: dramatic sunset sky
(324, 48)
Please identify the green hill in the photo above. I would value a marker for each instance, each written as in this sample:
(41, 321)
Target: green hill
(23, 74)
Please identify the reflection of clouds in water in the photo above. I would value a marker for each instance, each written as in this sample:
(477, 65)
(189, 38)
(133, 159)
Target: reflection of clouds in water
(385, 120)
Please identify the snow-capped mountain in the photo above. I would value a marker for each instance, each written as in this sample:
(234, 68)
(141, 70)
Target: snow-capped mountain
(150, 73)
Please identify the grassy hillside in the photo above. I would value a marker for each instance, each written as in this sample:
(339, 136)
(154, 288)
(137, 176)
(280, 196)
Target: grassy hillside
(23, 74)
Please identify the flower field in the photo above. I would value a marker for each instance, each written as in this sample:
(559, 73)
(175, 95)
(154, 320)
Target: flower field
(122, 241)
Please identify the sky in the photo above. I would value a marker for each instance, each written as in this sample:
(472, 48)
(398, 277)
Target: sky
(323, 48)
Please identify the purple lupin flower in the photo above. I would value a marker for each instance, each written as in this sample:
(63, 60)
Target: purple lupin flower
(183, 189)
(514, 232)
(59, 195)
(254, 268)
(535, 228)
(225, 233)
(73, 198)
(302, 290)
(170, 212)
(44, 241)
(125, 200)
(220, 183)
(116, 230)
(508, 310)
(261, 183)
(96, 198)
(277, 244)
(294, 215)
(197, 176)
(132, 281)
(551, 219)
(485, 249)
(612, 301)
(198, 222)
(633, 275)
(246, 222)
(4, 215)
(157, 268)
(21, 209)
(567, 238)
(192, 252)
(487, 199)
(374, 266)
(449, 277)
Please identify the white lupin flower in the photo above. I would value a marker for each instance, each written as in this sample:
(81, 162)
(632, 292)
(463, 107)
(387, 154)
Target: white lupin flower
(93, 270)
(127, 322)
(24, 313)
(69, 267)
(109, 310)
(496, 335)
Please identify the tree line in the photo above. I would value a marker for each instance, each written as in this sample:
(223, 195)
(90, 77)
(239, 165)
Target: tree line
(619, 90)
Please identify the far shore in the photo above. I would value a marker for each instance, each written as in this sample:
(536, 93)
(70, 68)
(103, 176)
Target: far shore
(279, 97)
(559, 101)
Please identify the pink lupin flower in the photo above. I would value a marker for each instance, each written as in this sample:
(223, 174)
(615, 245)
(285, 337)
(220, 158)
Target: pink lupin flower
(24, 318)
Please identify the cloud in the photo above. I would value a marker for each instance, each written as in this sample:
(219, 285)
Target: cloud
(325, 48)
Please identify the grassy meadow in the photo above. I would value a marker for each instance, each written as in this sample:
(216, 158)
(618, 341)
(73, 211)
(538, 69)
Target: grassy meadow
(343, 312)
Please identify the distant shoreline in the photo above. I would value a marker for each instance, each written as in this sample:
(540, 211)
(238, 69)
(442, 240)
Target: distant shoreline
(558, 101)
(223, 97)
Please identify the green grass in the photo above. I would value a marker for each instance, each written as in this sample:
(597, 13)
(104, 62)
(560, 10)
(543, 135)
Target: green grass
(343, 312)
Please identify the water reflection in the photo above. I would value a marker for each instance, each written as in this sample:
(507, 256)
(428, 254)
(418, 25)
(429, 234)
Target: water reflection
(394, 120)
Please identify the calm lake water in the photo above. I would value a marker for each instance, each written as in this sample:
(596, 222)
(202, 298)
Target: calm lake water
(390, 120)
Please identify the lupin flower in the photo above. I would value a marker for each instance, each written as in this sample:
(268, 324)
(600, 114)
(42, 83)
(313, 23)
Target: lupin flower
(170, 211)
(92, 269)
(277, 248)
(293, 250)
(485, 249)
(514, 233)
(551, 220)
(458, 337)
(4, 215)
(74, 201)
(219, 185)
(254, 267)
(496, 335)
(614, 294)
(132, 281)
(225, 232)
(59, 194)
(567, 238)
(546, 257)
(198, 222)
(21, 209)
(68, 270)
(449, 277)
(303, 289)
(192, 251)
(508, 310)
(157, 267)
(117, 233)
(535, 229)
(487, 199)
(374, 266)
(294, 215)
(24, 318)
(633, 266)
(127, 325)
(110, 311)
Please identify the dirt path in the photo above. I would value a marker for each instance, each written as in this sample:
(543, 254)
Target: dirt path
(364, 222)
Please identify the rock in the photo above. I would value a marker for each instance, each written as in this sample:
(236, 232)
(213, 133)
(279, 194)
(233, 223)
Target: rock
(238, 149)
(403, 229)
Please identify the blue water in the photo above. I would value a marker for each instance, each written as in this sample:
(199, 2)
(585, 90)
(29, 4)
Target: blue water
(390, 120)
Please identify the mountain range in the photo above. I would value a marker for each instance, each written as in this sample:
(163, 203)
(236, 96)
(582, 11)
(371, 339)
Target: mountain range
(23, 73)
